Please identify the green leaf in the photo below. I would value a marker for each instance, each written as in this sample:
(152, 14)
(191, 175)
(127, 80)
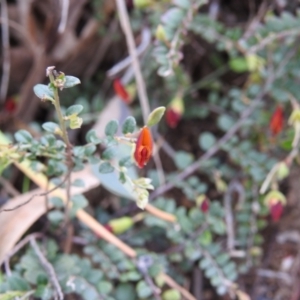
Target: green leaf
(206, 140)
(205, 263)
(143, 290)
(105, 168)
(108, 153)
(18, 283)
(74, 110)
(11, 295)
(225, 122)
(126, 161)
(43, 292)
(183, 159)
(78, 183)
(155, 116)
(222, 259)
(125, 291)
(238, 64)
(71, 81)
(57, 202)
(43, 92)
(205, 238)
(55, 216)
(51, 127)
(183, 3)
(79, 151)
(105, 287)
(173, 17)
(79, 201)
(91, 137)
(171, 294)
(111, 128)
(129, 125)
(89, 150)
(23, 136)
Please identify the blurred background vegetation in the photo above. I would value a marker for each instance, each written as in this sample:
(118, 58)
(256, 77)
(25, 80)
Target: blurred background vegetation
(227, 165)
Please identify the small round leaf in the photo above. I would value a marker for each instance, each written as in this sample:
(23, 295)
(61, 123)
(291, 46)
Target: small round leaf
(105, 168)
(206, 140)
(129, 125)
(111, 128)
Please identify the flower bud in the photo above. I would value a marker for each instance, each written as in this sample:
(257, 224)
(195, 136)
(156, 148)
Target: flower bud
(276, 210)
(203, 203)
(174, 112)
(121, 225)
(160, 33)
(143, 148)
(275, 201)
(121, 91)
(129, 5)
(282, 171)
(10, 105)
(142, 3)
(295, 117)
(276, 123)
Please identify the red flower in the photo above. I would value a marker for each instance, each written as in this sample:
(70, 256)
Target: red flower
(120, 90)
(276, 210)
(172, 117)
(276, 123)
(10, 105)
(174, 111)
(204, 205)
(143, 148)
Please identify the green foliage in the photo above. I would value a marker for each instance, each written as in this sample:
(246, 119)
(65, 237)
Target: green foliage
(106, 167)
(129, 125)
(206, 140)
(111, 128)
(199, 237)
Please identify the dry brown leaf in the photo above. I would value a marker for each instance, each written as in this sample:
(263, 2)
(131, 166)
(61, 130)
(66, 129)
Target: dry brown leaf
(13, 224)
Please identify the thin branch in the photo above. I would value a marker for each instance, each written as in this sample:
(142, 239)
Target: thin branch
(48, 268)
(173, 284)
(37, 195)
(141, 87)
(6, 55)
(17, 248)
(275, 275)
(234, 186)
(64, 15)
(272, 37)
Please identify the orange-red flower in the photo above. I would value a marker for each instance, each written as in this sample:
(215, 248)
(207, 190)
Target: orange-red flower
(276, 123)
(121, 91)
(143, 148)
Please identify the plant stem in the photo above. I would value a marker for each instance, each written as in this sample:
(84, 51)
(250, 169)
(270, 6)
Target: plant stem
(61, 118)
(65, 137)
